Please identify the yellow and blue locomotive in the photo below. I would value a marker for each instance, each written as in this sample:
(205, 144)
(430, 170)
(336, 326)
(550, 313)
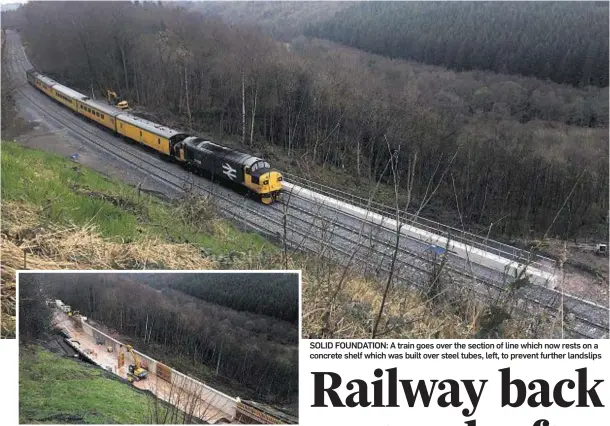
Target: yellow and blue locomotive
(198, 155)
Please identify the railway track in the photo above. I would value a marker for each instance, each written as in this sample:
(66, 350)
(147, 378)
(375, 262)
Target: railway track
(314, 228)
(536, 260)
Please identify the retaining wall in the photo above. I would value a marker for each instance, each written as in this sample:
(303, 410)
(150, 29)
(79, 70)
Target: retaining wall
(192, 387)
(475, 255)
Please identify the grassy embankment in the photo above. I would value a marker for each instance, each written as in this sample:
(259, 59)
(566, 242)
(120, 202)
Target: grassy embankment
(55, 389)
(57, 214)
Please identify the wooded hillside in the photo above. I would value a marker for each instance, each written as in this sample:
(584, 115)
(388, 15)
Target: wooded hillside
(566, 42)
(259, 352)
(272, 294)
(528, 156)
(281, 19)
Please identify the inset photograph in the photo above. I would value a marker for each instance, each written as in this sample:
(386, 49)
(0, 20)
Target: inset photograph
(213, 347)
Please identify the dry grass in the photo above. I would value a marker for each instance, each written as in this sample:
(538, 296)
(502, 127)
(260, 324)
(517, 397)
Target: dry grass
(28, 244)
(410, 313)
(350, 313)
(81, 247)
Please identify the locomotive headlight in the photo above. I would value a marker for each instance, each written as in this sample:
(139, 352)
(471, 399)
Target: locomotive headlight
(279, 179)
(266, 182)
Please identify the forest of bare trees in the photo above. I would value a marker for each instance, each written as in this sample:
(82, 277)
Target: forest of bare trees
(266, 293)
(521, 145)
(257, 351)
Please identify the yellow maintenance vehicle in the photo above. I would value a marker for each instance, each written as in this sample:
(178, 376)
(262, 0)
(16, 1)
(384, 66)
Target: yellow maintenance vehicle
(135, 372)
(115, 100)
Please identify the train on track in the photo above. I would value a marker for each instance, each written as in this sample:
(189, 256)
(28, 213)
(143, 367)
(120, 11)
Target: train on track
(197, 155)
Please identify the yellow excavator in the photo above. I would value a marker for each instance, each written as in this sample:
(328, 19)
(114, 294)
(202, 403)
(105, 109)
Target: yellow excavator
(115, 100)
(135, 372)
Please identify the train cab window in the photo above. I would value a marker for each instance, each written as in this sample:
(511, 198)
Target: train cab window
(248, 170)
(260, 165)
(102, 116)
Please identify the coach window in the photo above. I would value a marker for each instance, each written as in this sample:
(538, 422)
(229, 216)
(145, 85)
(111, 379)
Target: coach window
(159, 141)
(140, 133)
(102, 116)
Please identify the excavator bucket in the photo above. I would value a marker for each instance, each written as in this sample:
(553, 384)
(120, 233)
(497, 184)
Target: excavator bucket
(115, 100)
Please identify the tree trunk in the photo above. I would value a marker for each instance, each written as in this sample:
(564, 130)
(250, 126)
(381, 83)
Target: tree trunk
(124, 66)
(243, 108)
(186, 95)
(219, 358)
(253, 113)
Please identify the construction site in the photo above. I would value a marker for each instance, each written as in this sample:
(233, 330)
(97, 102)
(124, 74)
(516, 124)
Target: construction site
(187, 394)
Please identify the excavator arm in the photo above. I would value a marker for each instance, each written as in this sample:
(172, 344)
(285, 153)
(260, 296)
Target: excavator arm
(135, 357)
(114, 99)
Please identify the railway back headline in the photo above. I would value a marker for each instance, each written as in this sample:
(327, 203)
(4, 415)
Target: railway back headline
(510, 382)
(455, 393)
